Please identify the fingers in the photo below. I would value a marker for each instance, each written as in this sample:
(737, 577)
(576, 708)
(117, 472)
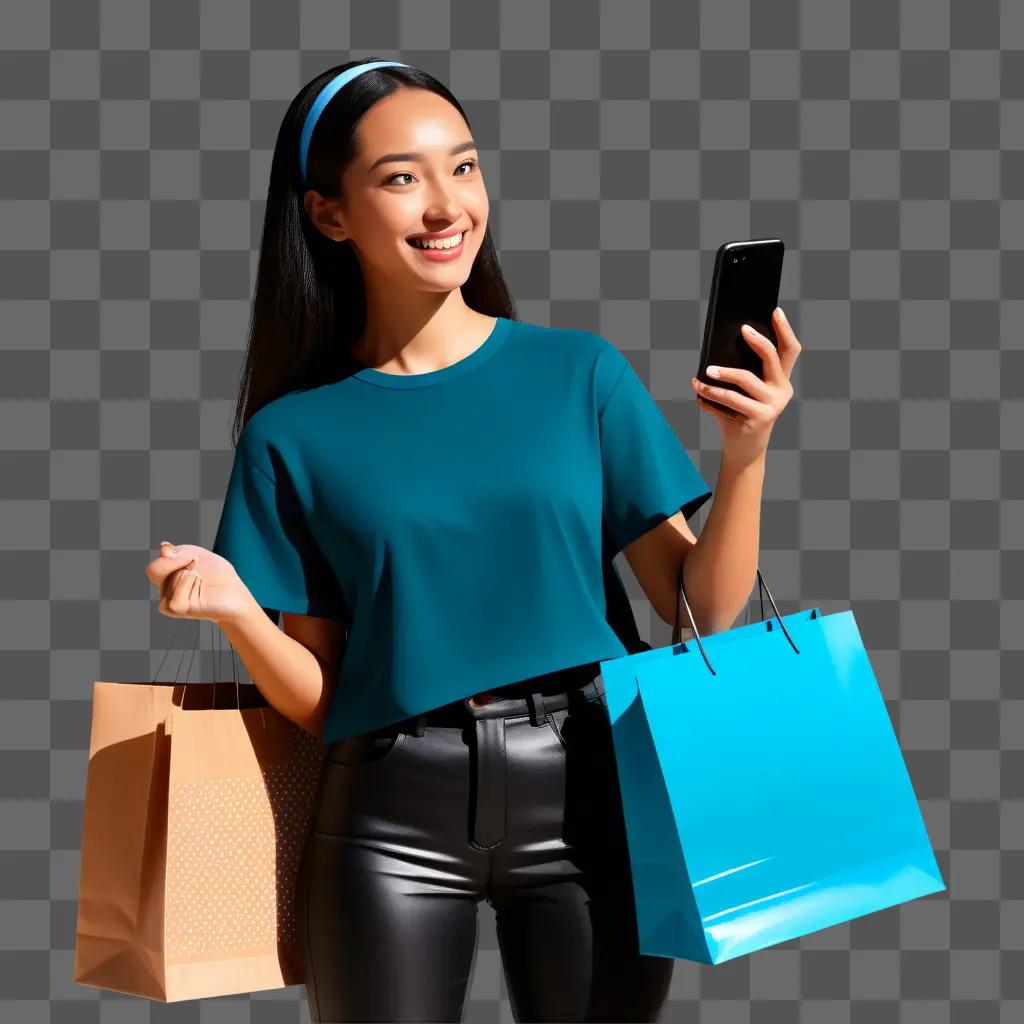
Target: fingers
(749, 382)
(770, 360)
(170, 560)
(726, 396)
(789, 346)
(703, 403)
(173, 573)
(168, 550)
(181, 588)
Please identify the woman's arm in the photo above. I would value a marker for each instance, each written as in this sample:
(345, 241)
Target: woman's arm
(721, 567)
(296, 673)
(721, 562)
(295, 669)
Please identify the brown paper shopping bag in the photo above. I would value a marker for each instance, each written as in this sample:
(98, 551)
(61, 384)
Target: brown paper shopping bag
(198, 801)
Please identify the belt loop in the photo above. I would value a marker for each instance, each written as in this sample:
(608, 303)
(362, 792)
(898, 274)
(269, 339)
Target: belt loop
(419, 725)
(538, 714)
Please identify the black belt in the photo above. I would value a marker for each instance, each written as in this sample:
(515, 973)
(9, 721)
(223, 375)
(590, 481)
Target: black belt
(536, 705)
(536, 697)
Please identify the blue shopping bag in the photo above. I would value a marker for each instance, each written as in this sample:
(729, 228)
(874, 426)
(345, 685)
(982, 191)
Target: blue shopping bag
(764, 791)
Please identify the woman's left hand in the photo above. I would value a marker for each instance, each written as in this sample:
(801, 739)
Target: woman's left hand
(746, 429)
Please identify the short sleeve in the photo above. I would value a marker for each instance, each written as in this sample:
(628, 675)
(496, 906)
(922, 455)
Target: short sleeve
(264, 534)
(648, 475)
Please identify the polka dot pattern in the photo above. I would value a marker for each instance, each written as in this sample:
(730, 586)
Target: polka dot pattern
(234, 850)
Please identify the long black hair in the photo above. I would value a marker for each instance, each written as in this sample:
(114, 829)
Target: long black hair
(310, 302)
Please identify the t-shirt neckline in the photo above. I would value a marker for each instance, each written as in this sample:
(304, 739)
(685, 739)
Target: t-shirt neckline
(480, 354)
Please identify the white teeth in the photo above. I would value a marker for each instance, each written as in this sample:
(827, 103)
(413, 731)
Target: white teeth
(444, 243)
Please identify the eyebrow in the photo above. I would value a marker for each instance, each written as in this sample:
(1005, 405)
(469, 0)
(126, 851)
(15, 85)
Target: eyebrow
(404, 157)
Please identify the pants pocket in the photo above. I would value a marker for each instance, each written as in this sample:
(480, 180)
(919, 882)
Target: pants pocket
(365, 748)
(556, 719)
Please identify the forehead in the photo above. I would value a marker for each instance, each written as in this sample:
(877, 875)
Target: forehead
(410, 119)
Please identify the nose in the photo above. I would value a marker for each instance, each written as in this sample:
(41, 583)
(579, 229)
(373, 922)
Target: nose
(442, 206)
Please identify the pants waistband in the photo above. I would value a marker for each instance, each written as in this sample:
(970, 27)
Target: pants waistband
(536, 704)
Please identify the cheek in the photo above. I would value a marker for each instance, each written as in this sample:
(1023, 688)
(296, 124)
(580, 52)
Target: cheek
(383, 215)
(480, 209)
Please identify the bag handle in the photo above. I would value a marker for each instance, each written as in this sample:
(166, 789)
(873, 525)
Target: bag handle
(677, 632)
(195, 647)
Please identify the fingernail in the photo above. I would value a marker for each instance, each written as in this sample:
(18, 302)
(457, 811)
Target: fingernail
(782, 313)
(170, 547)
(713, 371)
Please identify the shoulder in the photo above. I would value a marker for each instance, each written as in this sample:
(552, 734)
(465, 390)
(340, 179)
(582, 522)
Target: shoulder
(577, 349)
(267, 439)
(574, 341)
(577, 357)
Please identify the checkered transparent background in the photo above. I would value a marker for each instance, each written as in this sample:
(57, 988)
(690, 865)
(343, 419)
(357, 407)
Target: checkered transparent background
(621, 143)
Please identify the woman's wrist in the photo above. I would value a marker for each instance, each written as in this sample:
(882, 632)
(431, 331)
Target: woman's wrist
(249, 611)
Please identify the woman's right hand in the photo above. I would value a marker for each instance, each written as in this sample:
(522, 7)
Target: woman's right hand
(195, 583)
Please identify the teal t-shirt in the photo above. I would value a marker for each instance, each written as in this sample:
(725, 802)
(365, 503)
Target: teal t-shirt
(462, 522)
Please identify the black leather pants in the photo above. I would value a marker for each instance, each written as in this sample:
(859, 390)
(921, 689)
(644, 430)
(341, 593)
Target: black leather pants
(416, 824)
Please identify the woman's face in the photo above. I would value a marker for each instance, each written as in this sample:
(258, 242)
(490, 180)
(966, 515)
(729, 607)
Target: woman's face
(430, 190)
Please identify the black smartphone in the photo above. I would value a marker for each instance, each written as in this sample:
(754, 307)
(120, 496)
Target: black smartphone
(744, 290)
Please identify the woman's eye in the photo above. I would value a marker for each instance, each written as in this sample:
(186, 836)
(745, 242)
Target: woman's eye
(406, 174)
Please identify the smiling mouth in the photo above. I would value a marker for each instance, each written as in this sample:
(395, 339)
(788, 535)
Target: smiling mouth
(430, 248)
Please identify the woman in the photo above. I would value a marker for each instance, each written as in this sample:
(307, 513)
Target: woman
(437, 489)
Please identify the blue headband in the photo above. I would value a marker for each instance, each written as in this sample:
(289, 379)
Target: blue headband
(325, 97)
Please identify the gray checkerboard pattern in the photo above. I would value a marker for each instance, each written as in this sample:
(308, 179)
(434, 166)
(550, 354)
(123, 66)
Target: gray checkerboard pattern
(622, 142)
